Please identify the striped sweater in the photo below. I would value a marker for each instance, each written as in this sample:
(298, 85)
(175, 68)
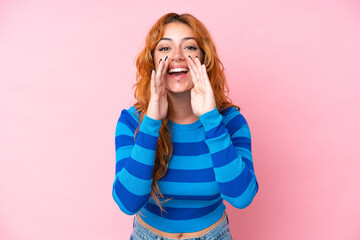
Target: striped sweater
(211, 161)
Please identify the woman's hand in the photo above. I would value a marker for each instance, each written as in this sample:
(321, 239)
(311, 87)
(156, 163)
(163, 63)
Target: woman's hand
(202, 95)
(158, 105)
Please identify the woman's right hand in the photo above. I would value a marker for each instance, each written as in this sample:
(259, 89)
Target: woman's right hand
(158, 105)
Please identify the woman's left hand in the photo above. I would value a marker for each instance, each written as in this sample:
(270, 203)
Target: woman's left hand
(202, 94)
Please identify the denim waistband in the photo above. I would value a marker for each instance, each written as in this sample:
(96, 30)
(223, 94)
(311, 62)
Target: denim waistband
(218, 232)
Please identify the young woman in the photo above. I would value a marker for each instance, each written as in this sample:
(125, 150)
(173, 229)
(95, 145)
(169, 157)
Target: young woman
(183, 147)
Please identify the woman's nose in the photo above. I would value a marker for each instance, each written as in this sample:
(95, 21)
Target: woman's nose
(178, 55)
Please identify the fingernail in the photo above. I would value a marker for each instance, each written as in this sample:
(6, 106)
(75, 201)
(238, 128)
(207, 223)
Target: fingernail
(166, 58)
(160, 60)
(189, 56)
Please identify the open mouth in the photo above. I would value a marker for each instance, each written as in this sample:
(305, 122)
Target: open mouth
(178, 71)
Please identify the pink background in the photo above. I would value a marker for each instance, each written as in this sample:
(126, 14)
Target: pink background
(67, 70)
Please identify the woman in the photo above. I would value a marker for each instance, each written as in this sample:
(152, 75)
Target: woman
(183, 147)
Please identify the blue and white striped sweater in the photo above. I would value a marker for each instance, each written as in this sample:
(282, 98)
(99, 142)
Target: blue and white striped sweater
(211, 161)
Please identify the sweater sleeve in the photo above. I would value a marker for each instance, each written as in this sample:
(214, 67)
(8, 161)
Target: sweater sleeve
(134, 161)
(229, 143)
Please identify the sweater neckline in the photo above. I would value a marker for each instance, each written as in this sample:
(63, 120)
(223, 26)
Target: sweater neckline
(179, 126)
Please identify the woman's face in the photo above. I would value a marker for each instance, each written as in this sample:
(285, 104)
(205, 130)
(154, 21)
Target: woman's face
(177, 44)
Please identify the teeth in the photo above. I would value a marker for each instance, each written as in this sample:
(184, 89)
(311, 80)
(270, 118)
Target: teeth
(178, 70)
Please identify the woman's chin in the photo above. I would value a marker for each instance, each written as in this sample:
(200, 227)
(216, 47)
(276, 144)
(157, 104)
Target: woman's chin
(179, 87)
(179, 90)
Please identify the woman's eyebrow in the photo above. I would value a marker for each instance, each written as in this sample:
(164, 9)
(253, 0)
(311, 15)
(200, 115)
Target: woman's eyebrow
(185, 38)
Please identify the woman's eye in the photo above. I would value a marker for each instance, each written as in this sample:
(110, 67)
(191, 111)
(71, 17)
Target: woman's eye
(163, 49)
(191, 48)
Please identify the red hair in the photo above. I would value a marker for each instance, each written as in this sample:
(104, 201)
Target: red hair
(144, 64)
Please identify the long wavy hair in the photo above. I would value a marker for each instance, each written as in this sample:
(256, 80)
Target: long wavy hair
(144, 64)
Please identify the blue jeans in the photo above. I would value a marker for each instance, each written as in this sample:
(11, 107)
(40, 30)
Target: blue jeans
(219, 232)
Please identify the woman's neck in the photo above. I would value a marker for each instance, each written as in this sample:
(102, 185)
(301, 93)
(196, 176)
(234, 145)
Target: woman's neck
(181, 108)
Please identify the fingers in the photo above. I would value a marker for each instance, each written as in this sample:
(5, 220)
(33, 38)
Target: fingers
(204, 72)
(195, 76)
(159, 75)
(152, 81)
(165, 68)
(197, 70)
